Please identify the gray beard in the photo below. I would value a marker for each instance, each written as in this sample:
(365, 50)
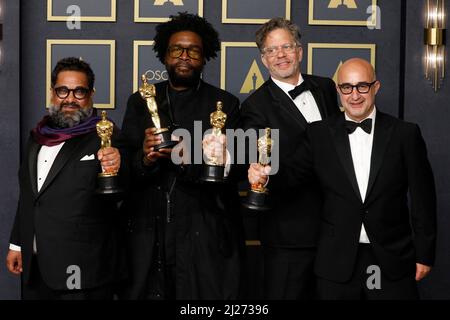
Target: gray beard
(61, 120)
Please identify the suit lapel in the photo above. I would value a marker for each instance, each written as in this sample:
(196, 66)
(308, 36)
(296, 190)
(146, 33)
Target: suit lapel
(281, 99)
(382, 135)
(32, 163)
(340, 139)
(61, 159)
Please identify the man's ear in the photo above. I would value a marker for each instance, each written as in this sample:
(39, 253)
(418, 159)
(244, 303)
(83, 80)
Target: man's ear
(301, 53)
(264, 61)
(377, 86)
(52, 95)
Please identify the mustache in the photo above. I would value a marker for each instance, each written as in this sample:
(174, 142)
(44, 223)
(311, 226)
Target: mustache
(184, 64)
(70, 104)
(61, 119)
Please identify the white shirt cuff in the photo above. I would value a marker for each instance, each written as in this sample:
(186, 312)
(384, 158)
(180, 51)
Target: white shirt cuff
(14, 247)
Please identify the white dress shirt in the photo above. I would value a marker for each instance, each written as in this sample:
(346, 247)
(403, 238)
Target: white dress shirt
(305, 102)
(45, 159)
(361, 148)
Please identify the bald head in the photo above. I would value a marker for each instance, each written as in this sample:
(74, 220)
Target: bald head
(357, 88)
(357, 65)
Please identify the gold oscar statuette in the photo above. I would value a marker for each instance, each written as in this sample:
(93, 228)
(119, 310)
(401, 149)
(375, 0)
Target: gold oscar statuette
(148, 93)
(213, 170)
(257, 196)
(107, 181)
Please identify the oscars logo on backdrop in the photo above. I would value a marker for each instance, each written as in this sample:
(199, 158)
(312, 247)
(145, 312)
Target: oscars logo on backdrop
(156, 75)
(253, 80)
(350, 4)
(163, 2)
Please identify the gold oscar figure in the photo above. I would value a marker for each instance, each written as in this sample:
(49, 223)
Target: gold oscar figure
(213, 170)
(107, 182)
(257, 196)
(148, 93)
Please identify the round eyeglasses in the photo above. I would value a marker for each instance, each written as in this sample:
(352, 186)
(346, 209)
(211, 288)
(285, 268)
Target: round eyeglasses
(192, 52)
(79, 92)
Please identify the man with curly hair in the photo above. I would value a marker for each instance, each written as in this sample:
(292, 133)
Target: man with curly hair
(184, 236)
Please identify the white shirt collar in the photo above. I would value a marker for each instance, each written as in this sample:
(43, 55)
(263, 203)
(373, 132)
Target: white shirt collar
(286, 87)
(372, 116)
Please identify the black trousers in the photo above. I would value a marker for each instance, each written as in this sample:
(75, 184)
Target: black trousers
(37, 289)
(364, 285)
(288, 273)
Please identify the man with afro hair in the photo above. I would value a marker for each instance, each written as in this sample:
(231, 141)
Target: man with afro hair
(184, 236)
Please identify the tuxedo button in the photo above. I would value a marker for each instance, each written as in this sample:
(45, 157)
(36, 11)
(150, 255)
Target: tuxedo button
(366, 211)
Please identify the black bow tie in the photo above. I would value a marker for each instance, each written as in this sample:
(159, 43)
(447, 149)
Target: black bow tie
(298, 90)
(366, 125)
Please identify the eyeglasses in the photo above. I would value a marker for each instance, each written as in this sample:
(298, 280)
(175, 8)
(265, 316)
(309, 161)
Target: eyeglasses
(79, 92)
(192, 52)
(273, 51)
(361, 87)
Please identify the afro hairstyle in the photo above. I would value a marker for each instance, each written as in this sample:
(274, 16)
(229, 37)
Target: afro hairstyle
(186, 22)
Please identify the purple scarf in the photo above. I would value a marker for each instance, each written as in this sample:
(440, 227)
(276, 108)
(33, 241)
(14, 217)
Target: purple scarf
(43, 134)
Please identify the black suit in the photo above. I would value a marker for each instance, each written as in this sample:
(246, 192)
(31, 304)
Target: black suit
(398, 165)
(294, 221)
(72, 225)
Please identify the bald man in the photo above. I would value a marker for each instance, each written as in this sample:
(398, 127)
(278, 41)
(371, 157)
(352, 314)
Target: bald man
(374, 243)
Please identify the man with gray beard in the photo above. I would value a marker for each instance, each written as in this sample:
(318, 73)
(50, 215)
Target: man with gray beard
(61, 119)
(64, 242)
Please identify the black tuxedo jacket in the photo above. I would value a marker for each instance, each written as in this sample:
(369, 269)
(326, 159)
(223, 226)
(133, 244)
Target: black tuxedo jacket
(73, 225)
(294, 220)
(400, 234)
